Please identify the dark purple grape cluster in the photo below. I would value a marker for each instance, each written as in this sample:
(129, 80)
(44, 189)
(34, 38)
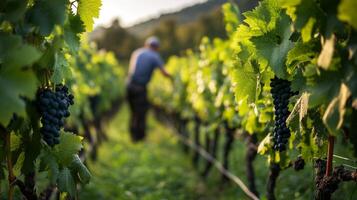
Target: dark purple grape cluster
(281, 92)
(299, 164)
(53, 107)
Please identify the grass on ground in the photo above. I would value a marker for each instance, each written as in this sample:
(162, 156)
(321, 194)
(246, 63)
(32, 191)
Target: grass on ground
(157, 169)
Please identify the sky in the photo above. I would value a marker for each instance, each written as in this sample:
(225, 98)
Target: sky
(134, 11)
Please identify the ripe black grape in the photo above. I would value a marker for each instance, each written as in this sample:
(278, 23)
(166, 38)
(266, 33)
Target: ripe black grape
(281, 92)
(53, 106)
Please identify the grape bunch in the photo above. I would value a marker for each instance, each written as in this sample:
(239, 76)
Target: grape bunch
(299, 164)
(53, 107)
(281, 93)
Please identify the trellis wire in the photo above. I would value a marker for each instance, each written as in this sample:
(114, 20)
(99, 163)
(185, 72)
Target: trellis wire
(208, 157)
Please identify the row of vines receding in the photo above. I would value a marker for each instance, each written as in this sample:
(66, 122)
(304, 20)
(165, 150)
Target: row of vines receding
(284, 81)
(52, 97)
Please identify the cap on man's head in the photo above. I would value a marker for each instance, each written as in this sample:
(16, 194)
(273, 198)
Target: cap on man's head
(152, 42)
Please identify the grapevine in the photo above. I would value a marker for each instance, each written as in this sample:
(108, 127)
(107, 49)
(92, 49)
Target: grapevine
(37, 41)
(285, 75)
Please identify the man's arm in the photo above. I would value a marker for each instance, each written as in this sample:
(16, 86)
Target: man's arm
(165, 73)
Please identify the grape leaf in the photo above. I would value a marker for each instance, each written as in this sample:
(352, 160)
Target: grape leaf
(324, 89)
(334, 114)
(13, 84)
(14, 10)
(245, 83)
(75, 24)
(21, 56)
(307, 31)
(13, 53)
(347, 12)
(8, 43)
(275, 45)
(298, 82)
(305, 14)
(18, 164)
(69, 145)
(231, 17)
(46, 14)
(72, 28)
(262, 18)
(49, 161)
(15, 142)
(351, 81)
(61, 69)
(81, 169)
(300, 53)
(66, 182)
(88, 10)
(265, 145)
(72, 40)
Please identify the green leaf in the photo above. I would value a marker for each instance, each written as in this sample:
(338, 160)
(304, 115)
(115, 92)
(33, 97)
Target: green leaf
(347, 12)
(75, 24)
(72, 40)
(79, 168)
(49, 161)
(262, 18)
(61, 69)
(8, 43)
(13, 84)
(70, 145)
(300, 53)
(265, 145)
(22, 56)
(66, 181)
(18, 164)
(334, 114)
(245, 83)
(89, 9)
(15, 10)
(73, 27)
(46, 14)
(275, 45)
(298, 82)
(307, 31)
(231, 17)
(324, 89)
(13, 53)
(15, 142)
(305, 14)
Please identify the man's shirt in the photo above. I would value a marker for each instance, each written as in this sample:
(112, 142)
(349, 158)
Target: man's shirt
(143, 61)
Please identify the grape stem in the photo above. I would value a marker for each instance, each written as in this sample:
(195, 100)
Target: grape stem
(331, 141)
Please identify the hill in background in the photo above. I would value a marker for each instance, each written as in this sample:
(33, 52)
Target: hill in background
(177, 31)
(187, 15)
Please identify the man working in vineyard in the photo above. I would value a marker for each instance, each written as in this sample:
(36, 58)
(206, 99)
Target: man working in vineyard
(143, 61)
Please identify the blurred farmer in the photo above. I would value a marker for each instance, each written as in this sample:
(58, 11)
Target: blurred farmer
(143, 61)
